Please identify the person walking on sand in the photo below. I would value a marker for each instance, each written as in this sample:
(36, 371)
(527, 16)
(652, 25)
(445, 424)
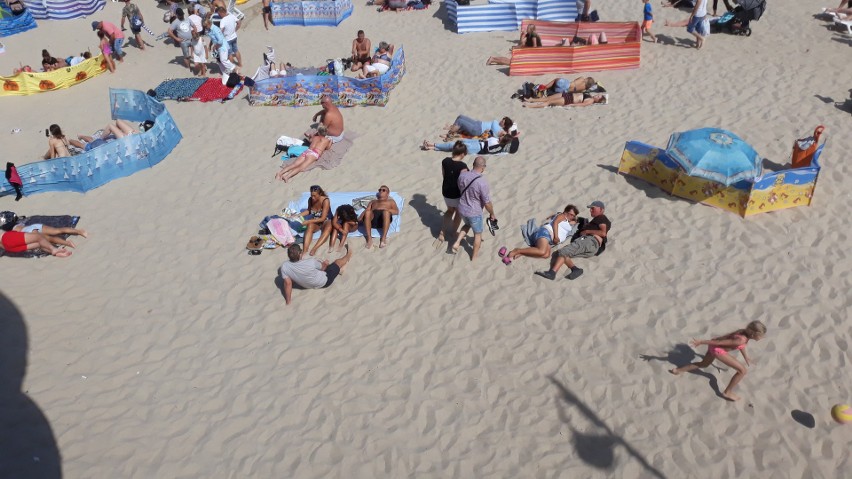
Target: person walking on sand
(131, 13)
(695, 23)
(648, 20)
(718, 348)
(475, 195)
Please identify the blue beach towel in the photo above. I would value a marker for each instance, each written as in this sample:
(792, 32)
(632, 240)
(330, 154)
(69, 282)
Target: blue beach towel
(178, 88)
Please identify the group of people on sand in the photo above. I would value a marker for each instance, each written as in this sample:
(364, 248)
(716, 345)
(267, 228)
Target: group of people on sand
(18, 237)
(478, 137)
(60, 146)
(311, 273)
(366, 64)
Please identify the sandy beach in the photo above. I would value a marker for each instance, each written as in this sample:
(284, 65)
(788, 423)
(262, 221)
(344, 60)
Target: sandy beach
(161, 349)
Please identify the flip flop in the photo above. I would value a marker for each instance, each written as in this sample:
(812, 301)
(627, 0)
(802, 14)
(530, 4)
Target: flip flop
(502, 252)
(507, 260)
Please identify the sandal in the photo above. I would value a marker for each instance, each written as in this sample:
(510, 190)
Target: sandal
(507, 260)
(502, 252)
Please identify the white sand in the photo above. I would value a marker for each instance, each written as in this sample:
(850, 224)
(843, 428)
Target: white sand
(411, 367)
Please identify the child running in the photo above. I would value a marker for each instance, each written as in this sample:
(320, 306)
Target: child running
(648, 21)
(718, 348)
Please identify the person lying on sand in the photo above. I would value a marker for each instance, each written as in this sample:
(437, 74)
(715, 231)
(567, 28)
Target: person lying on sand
(309, 273)
(565, 99)
(507, 144)
(556, 229)
(18, 242)
(589, 240)
(319, 143)
(465, 125)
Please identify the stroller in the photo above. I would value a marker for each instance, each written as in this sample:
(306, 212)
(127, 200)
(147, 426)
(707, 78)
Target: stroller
(738, 22)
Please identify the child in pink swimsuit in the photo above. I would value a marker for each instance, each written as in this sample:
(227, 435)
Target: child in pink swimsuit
(106, 49)
(718, 348)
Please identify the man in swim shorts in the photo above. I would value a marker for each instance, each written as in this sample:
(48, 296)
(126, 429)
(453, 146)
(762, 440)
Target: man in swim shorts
(379, 215)
(361, 47)
(309, 273)
(331, 118)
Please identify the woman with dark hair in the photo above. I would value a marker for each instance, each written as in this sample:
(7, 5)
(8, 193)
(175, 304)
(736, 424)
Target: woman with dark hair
(451, 168)
(319, 206)
(49, 63)
(345, 221)
(555, 230)
(57, 145)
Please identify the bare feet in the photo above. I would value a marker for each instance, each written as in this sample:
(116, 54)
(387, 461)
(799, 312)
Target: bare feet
(730, 396)
(369, 244)
(83, 233)
(383, 243)
(674, 371)
(61, 253)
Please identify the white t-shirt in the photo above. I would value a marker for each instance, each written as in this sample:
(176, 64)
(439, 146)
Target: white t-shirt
(229, 27)
(702, 9)
(195, 20)
(76, 60)
(306, 273)
(565, 228)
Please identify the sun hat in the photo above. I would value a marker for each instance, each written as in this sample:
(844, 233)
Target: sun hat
(596, 204)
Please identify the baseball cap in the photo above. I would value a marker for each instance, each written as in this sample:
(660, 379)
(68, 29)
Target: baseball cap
(598, 204)
(95, 25)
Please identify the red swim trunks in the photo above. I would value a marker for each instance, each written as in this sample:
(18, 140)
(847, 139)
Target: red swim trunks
(14, 242)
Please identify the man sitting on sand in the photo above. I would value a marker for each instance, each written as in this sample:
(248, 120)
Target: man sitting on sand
(309, 273)
(379, 215)
(319, 143)
(331, 118)
(361, 47)
(588, 241)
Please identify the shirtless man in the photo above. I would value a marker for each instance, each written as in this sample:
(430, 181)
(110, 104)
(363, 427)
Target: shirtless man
(379, 215)
(331, 119)
(319, 143)
(361, 48)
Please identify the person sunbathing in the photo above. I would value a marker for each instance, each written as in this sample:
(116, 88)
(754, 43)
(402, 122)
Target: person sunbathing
(529, 39)
(315, 215)
(319, 144)
(57, 145)
(345, 221)
(566, 99)
(49, 63)
(577, 85)
(112, 131)
(507, 143)
(465, 125)
(18, 242)
(380, 62)
(51, 233)
(556, 229)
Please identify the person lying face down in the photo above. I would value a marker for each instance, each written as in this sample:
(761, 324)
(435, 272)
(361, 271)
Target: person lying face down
(566, 99)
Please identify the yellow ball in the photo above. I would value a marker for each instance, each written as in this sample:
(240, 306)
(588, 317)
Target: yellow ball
(842, 413)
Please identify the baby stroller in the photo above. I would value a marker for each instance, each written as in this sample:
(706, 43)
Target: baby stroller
(738, 22)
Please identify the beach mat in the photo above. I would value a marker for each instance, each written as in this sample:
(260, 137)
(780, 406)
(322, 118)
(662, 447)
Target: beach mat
(178, 88)
(54, 221)
(213, 90)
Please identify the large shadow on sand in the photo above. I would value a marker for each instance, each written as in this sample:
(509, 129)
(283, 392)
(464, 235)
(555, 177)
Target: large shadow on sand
(681, 355)
(28, 447)
(596, 450)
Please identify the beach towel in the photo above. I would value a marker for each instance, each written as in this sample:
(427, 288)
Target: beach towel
(347, 198)
(280, 230)
(178, 88)
(333, 156)
(54, 221)
(213, 90)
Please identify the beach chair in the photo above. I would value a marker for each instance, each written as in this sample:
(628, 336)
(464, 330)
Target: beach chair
(232, 8)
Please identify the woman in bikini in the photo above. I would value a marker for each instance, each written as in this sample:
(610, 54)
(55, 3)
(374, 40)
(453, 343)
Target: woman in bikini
(57, 145)
(556, 229)
(380, 63)
(566, 99)
(49, 63)
(718, 348)
(319, 206)
(345, 221)
(319, 143)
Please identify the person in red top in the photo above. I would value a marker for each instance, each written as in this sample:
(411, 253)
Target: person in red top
(114, 34)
